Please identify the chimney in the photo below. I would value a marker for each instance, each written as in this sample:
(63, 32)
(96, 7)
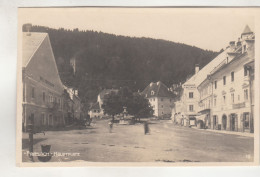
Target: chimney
(232, 45)
(28, 27)
(238, 42)
(197, 68)
(151, 84)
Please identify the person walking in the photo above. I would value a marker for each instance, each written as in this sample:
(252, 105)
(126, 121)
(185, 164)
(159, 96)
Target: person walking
(146, 128)
(110, 126)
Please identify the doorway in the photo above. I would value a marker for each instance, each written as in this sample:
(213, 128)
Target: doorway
(224, 122)
(233, 122)
(215, 122)
(246, 121)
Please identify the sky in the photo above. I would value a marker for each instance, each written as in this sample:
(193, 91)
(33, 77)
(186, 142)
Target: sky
(206, 28)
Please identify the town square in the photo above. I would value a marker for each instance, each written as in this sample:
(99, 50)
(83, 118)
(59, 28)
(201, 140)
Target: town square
(107, 93)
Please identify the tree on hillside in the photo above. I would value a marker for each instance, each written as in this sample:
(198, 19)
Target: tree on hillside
(114, 61)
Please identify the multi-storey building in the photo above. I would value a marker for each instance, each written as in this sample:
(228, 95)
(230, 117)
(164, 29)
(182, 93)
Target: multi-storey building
(232, 92)
(227, 94)
(73, 106)
(42, 87)
(160, 98)
(187, 108)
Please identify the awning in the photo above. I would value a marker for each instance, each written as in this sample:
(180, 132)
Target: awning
(205, 111)
(201, 117)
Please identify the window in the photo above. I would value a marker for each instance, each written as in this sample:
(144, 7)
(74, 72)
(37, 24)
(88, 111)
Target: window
(152, 92)
(245, 71)
(246, 94)
(162, 106)
(232, 76)
(191, 108)
(33, 94)
(232, 98)
(215, 101)
(190, 94)
(215, 84)
(224, 99)
(224, 80)
(154, 99)
(43, 96)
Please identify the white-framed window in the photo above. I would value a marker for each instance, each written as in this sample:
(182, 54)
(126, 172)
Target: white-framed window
(152, 92)
(224, 80)
(232, 76)
(246, 94)
(190, 94)
(191, 108)
(232, 98)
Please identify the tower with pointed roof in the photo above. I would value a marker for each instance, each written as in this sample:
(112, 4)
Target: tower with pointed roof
(247, 33)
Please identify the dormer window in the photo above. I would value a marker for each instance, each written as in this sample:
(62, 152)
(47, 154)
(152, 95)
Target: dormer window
(152, 92)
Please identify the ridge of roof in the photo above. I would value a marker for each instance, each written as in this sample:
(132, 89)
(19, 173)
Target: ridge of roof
(159, 88)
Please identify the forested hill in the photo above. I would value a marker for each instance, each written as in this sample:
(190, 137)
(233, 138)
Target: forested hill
(111, 61)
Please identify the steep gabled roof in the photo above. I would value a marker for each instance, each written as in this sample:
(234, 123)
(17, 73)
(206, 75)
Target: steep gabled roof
(247, 30)
(95, 106)
(157, 89)
(30, 43)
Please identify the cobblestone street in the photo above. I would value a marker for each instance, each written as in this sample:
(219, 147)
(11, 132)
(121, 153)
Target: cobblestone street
(127, 143)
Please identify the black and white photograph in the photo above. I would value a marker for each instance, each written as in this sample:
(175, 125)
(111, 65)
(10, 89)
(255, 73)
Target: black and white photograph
(150, 86)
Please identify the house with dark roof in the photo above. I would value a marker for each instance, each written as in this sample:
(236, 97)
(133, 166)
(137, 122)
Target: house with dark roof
(160, 98)
(96, 110)
(42, 88)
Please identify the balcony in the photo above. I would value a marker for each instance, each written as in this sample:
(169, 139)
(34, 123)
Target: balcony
(239, 105)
